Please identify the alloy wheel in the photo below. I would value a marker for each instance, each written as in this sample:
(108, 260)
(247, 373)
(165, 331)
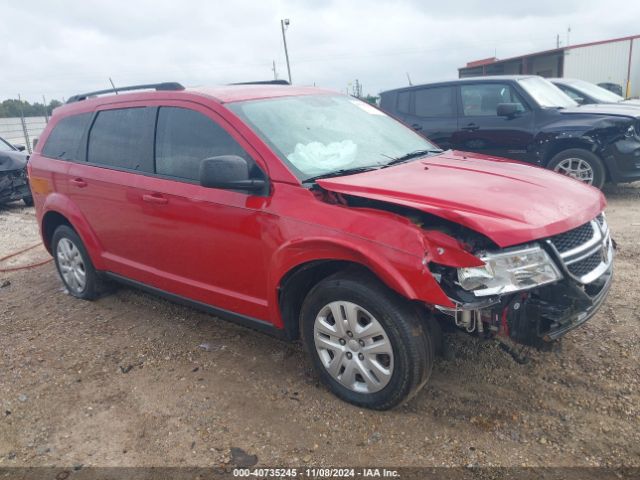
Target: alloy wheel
(576, 168)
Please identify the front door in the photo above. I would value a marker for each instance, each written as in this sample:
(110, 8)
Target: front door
(481, 130)
(202, 243)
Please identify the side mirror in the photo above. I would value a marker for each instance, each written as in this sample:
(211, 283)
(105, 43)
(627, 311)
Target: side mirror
(508, 109)
(34, 142)
(229, 172)
(21, 148)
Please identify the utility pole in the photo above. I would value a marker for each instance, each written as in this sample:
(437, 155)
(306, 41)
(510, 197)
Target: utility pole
(284, 24)
(25, 130)
(275, 72)
(46, 113)
(558, 40)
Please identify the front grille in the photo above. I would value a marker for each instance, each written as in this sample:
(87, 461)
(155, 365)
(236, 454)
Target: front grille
(586, 251)
(587, 265)
(573, 238)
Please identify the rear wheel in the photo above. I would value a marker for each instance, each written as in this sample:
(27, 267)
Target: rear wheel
(580, 164)
(74, 265)
(367, 344)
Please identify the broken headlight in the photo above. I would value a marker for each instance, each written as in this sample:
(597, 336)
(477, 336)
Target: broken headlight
(509, 271)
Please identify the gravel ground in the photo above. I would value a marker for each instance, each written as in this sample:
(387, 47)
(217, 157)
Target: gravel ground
(131, 380)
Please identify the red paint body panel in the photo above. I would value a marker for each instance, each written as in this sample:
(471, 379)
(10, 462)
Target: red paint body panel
(232, 250)
(510, 202)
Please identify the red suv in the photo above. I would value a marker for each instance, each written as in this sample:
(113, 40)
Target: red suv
(308, 214)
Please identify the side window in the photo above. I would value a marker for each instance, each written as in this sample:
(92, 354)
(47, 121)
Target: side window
(570, 92)
(435, 102)
(64, 140)
(482, 99)
(404, 99)
(122, 138)
(185, 137)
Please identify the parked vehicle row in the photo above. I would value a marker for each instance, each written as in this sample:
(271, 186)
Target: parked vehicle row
(585, 93)
(524, 118)
(14, 184)
(308, 214)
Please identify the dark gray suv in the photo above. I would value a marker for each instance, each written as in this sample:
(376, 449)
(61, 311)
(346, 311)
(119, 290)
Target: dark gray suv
(525, 118)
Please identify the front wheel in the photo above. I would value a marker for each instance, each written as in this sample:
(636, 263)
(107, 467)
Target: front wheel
(580, 164)
(367, 344)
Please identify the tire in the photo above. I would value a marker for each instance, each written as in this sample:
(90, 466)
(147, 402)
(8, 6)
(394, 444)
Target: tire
(71, 256)
(562, 163)
(28, 201)
(380, 380)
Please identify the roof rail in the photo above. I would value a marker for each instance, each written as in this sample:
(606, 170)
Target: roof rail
(150, 86)
(263, 82)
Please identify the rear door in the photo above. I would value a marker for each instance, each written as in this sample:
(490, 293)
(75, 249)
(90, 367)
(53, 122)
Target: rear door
(482, 130)
(431, 111)
(104, 186)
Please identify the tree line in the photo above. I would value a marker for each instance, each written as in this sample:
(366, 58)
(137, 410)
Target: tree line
(15, 108)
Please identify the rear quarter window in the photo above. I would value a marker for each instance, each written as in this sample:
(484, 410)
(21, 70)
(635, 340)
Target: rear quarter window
(64, 140)
(123, 139)
(388, 101)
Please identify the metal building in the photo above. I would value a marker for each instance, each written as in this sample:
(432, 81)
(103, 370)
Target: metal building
(615, 61)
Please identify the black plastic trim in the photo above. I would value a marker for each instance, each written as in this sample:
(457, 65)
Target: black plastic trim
(245, 321)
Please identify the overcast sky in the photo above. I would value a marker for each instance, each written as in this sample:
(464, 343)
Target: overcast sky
(57, 48)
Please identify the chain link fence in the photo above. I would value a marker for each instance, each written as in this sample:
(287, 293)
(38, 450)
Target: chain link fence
(22, 130)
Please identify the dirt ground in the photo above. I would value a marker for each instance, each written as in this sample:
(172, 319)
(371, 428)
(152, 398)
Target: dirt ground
(131, 380)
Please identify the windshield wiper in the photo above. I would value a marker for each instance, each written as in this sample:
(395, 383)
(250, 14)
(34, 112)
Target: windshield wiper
(341, 172)
(411, 155)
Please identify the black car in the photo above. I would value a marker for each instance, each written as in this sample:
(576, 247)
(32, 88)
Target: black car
(586, 93)
(524, 118)
(13, 174)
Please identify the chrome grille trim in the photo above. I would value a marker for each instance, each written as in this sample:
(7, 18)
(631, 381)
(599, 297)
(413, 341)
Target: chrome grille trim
(600, 241)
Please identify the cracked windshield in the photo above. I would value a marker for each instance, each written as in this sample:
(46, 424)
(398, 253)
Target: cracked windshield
(322, 134)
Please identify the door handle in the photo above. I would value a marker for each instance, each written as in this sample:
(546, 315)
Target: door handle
(471, 127)
(155, 198)
(415, 126)
(78, 182)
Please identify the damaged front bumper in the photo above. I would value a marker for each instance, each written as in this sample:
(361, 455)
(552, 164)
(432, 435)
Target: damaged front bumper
(14, 185)
(540, 315)
(550, 312)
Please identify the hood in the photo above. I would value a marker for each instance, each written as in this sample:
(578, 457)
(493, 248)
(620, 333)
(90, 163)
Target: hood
(509, 202)
(622, 109)
(632, 102)
(10, 161)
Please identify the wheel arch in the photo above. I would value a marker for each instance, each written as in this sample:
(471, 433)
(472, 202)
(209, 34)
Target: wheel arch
(300, 266)
(584, 143)
(577, 143)
(59, 210)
